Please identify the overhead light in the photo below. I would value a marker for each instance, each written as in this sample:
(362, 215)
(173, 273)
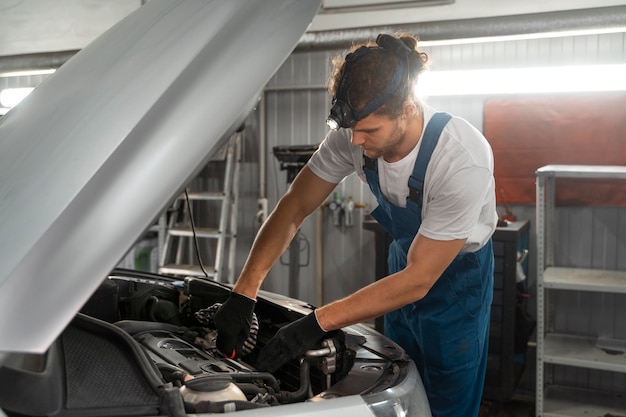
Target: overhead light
(10, 97)
(562, 79)
(27, 73)
(524, 36)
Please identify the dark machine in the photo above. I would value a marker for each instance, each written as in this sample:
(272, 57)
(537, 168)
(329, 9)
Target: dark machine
(292, 159)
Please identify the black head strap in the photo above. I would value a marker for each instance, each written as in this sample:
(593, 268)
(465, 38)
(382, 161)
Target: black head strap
(342, 112)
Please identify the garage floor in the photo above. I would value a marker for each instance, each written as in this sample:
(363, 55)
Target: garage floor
(513, 408)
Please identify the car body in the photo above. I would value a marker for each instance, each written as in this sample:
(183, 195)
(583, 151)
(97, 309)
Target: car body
(88, 161)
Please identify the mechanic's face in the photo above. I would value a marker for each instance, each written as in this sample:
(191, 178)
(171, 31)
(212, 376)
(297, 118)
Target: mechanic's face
(380, 136)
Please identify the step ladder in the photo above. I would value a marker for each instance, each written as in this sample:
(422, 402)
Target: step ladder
(212, 231)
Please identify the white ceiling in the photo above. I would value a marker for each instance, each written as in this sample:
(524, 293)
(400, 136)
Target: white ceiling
(384, 14)
(34, 26)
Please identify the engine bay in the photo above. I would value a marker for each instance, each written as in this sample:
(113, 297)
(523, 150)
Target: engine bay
(172, 322)
(144, 345)
(210, 382)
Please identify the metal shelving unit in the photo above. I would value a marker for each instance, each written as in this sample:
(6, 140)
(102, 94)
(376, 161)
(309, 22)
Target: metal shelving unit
(565, 349)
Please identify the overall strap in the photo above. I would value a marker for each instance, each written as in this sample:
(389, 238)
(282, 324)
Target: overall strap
(429, 141)
(370, 169)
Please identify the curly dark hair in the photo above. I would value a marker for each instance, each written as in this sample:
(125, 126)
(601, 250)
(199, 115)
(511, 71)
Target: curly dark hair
(373, 71)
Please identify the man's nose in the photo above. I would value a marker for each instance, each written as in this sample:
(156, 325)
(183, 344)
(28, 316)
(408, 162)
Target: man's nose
(357, 139)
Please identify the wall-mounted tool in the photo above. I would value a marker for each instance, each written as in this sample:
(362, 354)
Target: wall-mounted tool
(335, 206)
(292, 159)
(342, 209)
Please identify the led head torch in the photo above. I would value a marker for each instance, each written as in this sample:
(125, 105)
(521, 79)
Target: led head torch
(342, 113)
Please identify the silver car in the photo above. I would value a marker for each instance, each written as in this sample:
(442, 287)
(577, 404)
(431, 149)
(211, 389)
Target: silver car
(87, 163)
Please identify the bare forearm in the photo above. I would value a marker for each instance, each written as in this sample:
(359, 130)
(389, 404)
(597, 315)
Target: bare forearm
(374, 300)
(427, 259)
(306, 193)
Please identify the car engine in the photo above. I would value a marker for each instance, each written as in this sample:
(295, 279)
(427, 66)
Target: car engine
(144, 344)
(173, 322)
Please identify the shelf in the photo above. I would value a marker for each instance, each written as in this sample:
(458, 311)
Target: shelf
(570, 350)
(575, 402)
(582, 352)
(582, 171)
(582, 279)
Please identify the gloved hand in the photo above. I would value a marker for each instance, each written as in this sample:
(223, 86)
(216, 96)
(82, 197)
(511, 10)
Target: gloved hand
(232, 322)
(289, 342)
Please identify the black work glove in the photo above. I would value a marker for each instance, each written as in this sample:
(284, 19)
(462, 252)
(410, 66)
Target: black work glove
(232, 322)
(289, 342)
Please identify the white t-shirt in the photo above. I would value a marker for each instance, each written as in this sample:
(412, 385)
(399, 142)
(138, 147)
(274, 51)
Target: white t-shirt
(459, 188)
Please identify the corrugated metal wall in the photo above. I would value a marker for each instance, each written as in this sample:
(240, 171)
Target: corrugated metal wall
(296, 105)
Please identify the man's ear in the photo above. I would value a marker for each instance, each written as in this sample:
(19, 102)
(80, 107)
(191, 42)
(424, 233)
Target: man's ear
(409, 109)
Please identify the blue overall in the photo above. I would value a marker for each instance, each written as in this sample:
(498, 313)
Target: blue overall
(446, 333)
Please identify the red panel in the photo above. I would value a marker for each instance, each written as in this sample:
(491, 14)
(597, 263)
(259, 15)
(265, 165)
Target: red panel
(532, 131)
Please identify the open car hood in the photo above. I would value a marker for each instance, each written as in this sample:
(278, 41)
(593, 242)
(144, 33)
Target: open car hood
(99, 149)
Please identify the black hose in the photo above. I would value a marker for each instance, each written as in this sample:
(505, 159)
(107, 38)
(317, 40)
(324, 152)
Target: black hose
(302, 393)
(195, 236)
(172, 373)
(250, 389)
(266, 377)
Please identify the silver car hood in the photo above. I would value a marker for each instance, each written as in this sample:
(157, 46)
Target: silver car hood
(98, 150)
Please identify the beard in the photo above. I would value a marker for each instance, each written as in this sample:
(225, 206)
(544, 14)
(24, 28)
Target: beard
(389, 148)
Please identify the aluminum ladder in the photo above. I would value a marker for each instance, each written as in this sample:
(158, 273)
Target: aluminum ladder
(188, 236)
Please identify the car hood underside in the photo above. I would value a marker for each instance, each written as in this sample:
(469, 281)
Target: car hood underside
(101, 147)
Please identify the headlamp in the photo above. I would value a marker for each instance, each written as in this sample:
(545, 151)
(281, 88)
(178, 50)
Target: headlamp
(342, 113)
(332, 123)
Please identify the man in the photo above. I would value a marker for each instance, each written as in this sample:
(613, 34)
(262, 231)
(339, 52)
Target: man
(433, 178)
